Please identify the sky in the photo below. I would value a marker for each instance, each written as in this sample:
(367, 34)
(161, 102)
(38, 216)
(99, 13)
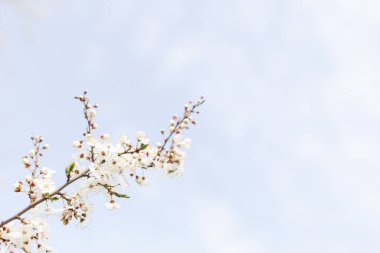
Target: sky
(286, 154)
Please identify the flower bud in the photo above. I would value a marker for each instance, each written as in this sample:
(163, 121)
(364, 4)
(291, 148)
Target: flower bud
(17, 186)
(141, 180)
(25, 160)
(32, 153)
(77, 144)
(44, 171)
(28, 179)
(92, 113)
(105, 137)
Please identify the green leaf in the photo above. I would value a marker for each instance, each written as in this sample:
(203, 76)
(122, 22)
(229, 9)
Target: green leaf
(120, 195)
(70, 168)
(54, 198)
(143, 146)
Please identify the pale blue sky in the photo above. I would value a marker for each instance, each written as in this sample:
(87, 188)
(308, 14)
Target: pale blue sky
(286, 155)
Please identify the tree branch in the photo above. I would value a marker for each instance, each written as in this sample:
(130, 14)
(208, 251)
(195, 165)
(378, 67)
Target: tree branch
(42, 199)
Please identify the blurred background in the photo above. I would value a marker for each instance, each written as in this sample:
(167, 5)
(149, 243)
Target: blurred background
(286, 154)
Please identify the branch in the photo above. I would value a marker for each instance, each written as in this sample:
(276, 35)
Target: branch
(42, 199)
(106, 169)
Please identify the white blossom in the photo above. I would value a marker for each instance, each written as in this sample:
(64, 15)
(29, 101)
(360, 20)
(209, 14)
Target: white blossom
(140, 135)
(124, 140)
(101, 167)
(45, 183)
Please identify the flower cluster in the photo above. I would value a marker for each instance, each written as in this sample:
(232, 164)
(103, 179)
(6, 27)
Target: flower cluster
(19, 235)
(39, 181)
(101, 167)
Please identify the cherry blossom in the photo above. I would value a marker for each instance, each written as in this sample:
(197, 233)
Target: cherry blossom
(98, 166)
